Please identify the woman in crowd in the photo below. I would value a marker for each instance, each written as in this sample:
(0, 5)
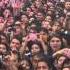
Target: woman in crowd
(33, 28)
(55, 43)
(25, 64)
(43, 64)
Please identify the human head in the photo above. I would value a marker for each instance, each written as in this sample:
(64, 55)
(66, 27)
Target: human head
(15, 43)
(46, 25)
(10, 21)
(17, 28)
(25, 64)
(3, 48)
(35, 59)
(66, 64)
(67, 5)
(43, 64)
(56, 26)
(55, 43)
(7, 12)
(35, 47)
(24, 18)
(59, 60)
(3, 38)
(40, 16)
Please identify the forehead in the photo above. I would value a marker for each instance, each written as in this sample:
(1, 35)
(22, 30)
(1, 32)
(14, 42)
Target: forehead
(45, 22)
(39, 14)
(15, 40)
(7, 10)
(62, 57)
(50, 4)
(55, 38)
(35, 45)
(1, 45)
(42, 63)
(24, 61)
(17, 22)
(23, 16)
(67, 2)
(66, 68)
(48, 16)
(29, 9)
(57, 24)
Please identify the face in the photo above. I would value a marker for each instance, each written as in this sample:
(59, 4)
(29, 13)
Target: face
(6, 1)
(24, 18)
(17, 30)
(1, 19)
(66, 69)
(3, 39)
(35, 49)
(10, 21)
(35, 60)
(42, 66)
(25, 65)
(67, 5)
(1, 3)
(56, 27)
(38, 4)
(55, 44)
(46, 25)
(28, 10)
(61, 19)
(7, 13)
(2, 48)
(43, 36)
(50, 6)
(45, 7)
(48, 18)
(40, 16)
(50, 13)
(34, 9)
(15, 43)
(31, 14)
(61, 60)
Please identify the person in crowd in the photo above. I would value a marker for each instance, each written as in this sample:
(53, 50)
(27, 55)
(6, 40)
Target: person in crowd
(32, 29)
(43, 64)
(25, 64)
(55, 43)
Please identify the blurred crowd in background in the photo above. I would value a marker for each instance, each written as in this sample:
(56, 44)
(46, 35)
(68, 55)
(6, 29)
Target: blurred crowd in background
(34, 34)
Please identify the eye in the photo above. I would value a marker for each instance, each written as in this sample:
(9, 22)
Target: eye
(52, 40)
(57, 41)
(39, 67)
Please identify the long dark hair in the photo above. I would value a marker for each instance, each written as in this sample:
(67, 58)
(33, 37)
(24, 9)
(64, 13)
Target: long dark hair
(66, 63)
(30, 43)
(50, 51)
(45, 59)
(29, 62)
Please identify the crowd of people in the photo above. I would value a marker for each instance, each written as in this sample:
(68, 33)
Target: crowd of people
(34, 34)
